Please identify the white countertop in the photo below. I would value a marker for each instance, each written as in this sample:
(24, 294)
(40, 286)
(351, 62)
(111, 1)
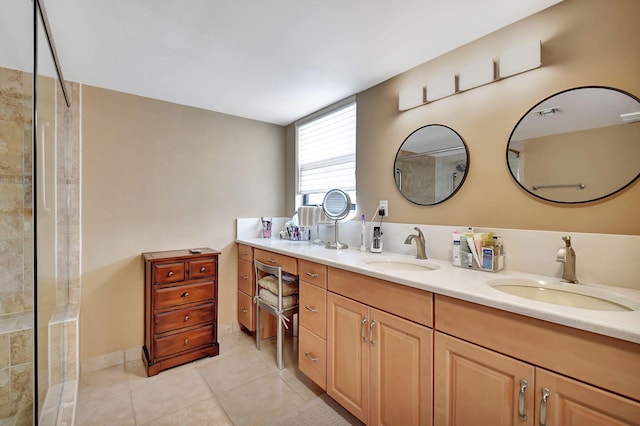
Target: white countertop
(471, 285)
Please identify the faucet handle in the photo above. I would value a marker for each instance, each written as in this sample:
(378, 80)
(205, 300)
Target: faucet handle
(567, 240)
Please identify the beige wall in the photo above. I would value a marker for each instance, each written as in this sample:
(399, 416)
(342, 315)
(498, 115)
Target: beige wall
(160, 176)
(585, 42)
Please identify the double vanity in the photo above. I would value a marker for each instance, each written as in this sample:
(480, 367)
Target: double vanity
(397, 340)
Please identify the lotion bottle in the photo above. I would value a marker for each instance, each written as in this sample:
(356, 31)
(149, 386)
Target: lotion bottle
(363, 231)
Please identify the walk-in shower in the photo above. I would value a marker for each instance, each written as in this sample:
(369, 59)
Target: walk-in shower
(39, 223)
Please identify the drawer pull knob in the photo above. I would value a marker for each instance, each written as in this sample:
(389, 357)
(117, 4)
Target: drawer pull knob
(311, 309)
(170, 273)
(186, 341)
(203, 269)
(186, 317)
(543, 406)
(523, 387)
(371, 325)
(272, 261)
(244, 277)
(364, 324)
(185, 294)
(311, 357)
(243, 309)
(312, 274)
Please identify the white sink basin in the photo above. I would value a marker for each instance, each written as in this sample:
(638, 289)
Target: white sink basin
(565, 294)
(397, 263)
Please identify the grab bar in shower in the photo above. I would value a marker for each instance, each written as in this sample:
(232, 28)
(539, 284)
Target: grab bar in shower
(579, 186)
(43, 148)
(398, 174)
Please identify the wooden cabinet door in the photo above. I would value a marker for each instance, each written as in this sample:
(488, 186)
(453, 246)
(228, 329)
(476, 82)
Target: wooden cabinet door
(476, 386)
(572, 403)
(348, 354)
(401, 371)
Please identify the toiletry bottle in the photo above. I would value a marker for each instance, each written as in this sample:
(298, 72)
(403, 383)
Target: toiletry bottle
(363, 231)
(457, 260)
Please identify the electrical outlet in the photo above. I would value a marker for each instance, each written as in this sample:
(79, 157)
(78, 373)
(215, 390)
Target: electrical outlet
(383, 208)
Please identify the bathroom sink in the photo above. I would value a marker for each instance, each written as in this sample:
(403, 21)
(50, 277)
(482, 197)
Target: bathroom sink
(565, 294)
(400, 263)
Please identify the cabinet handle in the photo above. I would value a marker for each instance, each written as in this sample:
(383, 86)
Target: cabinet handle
(243, 309)
(186, 341)
(543, 406)
(364, 324)
(170, 274)
(373, 324)
(311, 357)
(185, 294)
(523, 388)
(272, 261)
(186, 317)
(203, 269)
(311, 309)
(312, 274)
(244, 252)
(244, 277)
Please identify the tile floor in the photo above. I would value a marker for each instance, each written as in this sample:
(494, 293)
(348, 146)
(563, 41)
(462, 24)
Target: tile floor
(241, 386)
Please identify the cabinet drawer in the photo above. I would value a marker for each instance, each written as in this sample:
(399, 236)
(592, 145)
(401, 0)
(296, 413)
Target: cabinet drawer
(173, 296)
(245, 253)
(168, 272)
(312, 357)
(201, 268)
(245, 311)
(313, 273)
(245, 277)
(289, 264)
(184, 318)
(406, 302)
(313, 309)
(184, 341)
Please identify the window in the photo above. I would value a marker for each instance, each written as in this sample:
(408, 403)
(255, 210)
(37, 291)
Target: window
(326, 153)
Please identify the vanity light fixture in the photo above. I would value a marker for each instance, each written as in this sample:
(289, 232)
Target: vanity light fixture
(476, 74)
(411, 97)
(524, 57)
(630, 117)
(518, 59)
(441, 87)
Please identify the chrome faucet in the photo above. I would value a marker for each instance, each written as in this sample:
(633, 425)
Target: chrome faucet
(421, 243)
(567, 256)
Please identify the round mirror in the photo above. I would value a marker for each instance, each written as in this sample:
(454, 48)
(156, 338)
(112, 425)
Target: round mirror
(336, 206)
(579, 145)
(431, 165)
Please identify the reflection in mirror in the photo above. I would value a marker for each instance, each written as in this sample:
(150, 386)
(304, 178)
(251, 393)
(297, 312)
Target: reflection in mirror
(336, 206)
(576, 146)
(431, 165)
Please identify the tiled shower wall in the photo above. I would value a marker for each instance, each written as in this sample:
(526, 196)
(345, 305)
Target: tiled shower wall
(59, 329)
(16, 247)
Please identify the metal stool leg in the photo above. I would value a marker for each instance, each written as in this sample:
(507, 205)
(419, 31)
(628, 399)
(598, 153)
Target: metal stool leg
(258, 336)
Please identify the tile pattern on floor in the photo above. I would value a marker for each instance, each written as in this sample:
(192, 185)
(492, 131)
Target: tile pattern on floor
(241, 386)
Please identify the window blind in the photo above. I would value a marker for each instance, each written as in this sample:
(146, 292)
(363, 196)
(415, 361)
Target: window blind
(327, 151)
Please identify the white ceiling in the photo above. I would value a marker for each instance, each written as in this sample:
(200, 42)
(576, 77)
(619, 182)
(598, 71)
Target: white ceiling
(274, 61)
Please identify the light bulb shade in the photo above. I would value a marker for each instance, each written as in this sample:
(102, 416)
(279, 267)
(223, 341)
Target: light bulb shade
(476, 74)
(441, 87)
(520, 58)
(411, 97)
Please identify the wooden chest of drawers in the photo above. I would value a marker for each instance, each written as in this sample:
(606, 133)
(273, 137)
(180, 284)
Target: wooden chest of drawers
(180, 310)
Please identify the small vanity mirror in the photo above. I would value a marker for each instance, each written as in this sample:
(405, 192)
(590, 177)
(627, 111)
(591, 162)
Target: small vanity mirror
(431, 165)
(336, 206)
(579, 145)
